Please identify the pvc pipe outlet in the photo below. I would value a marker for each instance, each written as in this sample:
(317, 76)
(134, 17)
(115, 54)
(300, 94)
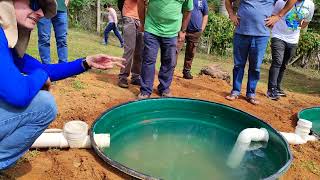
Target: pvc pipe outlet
(301, 134)
(73, 135)
(242, 144)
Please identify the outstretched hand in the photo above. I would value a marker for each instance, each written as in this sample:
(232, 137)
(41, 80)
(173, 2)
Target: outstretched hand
(103, 61)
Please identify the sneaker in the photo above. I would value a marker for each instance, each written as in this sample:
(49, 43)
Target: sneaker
(143, 96)
(123, 83)
(280, 92)
(136, 82)
(273, 94)
(187, 75)
(166, 94)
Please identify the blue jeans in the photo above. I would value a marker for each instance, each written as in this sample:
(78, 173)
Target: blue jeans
(168, 47)
(20, 127)
(60, 27)
(252, 48)
(110, 27)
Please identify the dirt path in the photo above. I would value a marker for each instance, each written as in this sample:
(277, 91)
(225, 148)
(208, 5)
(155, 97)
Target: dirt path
(87, 96)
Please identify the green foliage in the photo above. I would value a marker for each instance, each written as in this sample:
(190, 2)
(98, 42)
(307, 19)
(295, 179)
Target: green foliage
(219, 33)
(309, 42)
(81, 13)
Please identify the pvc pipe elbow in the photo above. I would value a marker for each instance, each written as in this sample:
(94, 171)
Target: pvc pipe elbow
(253, 134)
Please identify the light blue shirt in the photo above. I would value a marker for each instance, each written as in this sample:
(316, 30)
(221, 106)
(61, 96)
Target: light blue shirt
(252, 15)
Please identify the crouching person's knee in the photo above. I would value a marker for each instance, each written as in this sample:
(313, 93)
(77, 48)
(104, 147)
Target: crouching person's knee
(45, 103)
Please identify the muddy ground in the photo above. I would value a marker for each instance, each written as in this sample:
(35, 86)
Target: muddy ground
(88, 95)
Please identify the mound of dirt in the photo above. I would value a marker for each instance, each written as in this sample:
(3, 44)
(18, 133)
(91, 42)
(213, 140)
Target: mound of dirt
(215, 71)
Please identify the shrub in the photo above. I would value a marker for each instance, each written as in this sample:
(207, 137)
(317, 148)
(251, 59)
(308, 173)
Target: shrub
(218, 34)
(308, 52)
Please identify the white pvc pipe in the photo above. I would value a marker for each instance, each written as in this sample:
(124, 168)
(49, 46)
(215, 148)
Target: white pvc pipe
(243, 143)
(301, 134)
(58, 140)
(73, 135)
(46, 140)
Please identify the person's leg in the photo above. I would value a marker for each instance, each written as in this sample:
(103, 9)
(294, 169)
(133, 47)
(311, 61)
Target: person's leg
(168, 48)
(192, 43)
(256, 54)
(60, 26)
(277, 50)
(106, 32)
(129, 35)
(44, 34)
(137, 59)
(290, 51)
(20, 127)
(178, 50)
(241, 45)
(150, 52)
(116, 32)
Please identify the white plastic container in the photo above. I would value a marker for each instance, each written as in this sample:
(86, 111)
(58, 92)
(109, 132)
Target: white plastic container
(75, 132)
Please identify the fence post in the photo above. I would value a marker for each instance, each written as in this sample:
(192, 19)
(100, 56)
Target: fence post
(98, 16)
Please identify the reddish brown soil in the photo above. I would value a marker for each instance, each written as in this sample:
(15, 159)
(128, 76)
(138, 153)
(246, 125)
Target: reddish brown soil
(86, 96)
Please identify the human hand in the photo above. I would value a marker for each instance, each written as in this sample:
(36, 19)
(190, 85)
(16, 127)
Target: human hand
(181, 36)
(270, 21)
(235, 19)
(103, 61)
(47, 85)
(141, 27)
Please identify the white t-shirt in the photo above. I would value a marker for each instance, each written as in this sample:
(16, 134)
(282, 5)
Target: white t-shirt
(284, 29)
(112, 16)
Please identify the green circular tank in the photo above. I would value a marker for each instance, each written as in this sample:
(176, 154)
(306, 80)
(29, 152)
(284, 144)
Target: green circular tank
(186, 139)
(312, 114)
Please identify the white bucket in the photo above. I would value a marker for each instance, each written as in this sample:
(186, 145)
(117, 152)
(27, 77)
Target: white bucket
(75, 132)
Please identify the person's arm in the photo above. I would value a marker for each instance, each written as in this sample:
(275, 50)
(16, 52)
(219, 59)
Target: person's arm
(204, 22)
(67, 2)
(142, 5)
(270, 21)
(205, 16)
(304, 24)
(233, 17)
(186, 10)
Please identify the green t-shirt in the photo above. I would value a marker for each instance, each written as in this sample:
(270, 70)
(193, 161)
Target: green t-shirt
(164, 17)
(61, 6)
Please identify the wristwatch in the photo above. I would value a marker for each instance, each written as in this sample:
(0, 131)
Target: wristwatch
(183, 30)
(85, 64)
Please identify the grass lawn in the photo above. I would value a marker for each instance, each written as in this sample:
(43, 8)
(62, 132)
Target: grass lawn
(82, 43)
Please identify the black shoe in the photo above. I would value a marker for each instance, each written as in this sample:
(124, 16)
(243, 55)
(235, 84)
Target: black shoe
(281, 93)
(187, 75)
(272, 94)
(136, 82)
(123, 83)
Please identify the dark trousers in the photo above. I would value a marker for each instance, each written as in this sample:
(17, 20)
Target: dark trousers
(168, 47)
(282, 53)
(110, 27)
(192, 40)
